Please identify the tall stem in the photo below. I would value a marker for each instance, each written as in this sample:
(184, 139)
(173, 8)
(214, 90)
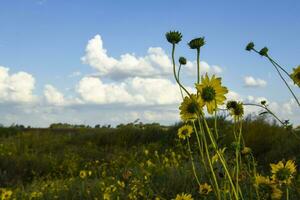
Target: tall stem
(287, 85)
(193, 164)
(198, 65)
(174, 70)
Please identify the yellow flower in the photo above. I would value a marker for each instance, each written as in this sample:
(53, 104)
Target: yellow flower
(211, 92)
(276, 193)
(185, 132)
(236, 109)
(5, 194)
(205, 189)
(296, 75)
(190, 107)
(246, 151)
(261, 180)
(36, 195)
(215, 158)
(82, 174)
(283, 173)
(184, 197)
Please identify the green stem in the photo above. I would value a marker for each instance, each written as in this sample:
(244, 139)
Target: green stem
(211, 168)
(174, 70)
(287, 85)
(198, 65)
(178, 74)
(222, 161)
(287, 193)
(193, 164)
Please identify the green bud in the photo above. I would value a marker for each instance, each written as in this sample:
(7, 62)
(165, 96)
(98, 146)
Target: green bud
(250, 46)
(197, 43)
(182, 60)
(173, 37)
(264, 51)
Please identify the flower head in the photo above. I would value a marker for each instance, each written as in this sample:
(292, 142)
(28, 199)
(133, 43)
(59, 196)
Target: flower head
(283, 173)
(82, 174)
(205, 189)
(182, 60)
(190, 107)
(173, 37)
(296, 75)
(246, 151)
(250, 46)
(261, 180)
(197, 43)
(264, 51)
(184, 197)
(211, 92)
(185, 132)
(236, 109)
(5, 194)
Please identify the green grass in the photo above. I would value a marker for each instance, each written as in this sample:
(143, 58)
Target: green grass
(50, 160)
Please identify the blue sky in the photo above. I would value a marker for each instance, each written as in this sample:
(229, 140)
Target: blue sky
(48, 38)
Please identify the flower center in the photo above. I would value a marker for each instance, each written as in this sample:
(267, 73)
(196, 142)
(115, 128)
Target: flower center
(208, 93)
(283, 174)
(298, 75)
(192, 107)
(185, 132)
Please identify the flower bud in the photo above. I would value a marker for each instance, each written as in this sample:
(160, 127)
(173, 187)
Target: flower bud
(173, 37)
(182, 60)
(250, 46)
(197, 43)
(264, 51)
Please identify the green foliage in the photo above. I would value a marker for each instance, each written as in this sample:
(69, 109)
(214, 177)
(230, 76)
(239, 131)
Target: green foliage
(49, 160)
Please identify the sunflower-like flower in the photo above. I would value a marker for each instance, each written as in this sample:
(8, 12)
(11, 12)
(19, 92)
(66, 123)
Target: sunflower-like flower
(211, 92)
(5, 194)
(250, 46)
(276, 193)
(197, 43)
(205, 189)
(296, 75)
(190, 107)
(182, 60)
(236, 109)
(184, 196)
(185, 132)
(173, 37)
(283, 173)
(264, 51)
(82, 174)
(261, 180)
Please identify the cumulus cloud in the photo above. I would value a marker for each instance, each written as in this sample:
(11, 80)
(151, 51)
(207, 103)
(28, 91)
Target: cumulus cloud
(250, 81)
(17, 87)
(132, 91)
(53, 96)
(56, 98)
(155, 63)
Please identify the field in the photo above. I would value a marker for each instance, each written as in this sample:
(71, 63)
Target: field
(133, 161)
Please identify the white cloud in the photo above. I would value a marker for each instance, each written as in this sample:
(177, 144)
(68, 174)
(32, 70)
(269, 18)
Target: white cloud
(53, 96)
(155, 64)
(16, 87)
(250, 81)
(191, 67)
(156, 61)
(132, 91)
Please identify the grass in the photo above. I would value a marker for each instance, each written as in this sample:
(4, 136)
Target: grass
(128, 162)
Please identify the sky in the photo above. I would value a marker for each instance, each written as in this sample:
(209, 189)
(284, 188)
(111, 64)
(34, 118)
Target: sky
(108, 62)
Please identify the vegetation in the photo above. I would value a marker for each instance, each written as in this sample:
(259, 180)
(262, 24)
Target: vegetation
(128, 162)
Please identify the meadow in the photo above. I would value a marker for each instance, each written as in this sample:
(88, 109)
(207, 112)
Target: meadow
(133, 161)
